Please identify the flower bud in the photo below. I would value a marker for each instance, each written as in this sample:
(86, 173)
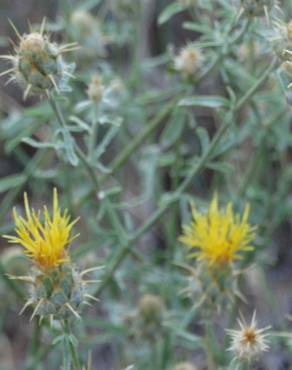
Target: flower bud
(150, 309)
(96, 88)
(188, 61)
(83, 22)
(38, 64)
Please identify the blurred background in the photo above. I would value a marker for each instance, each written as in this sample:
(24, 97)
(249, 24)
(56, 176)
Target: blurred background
(110, 49)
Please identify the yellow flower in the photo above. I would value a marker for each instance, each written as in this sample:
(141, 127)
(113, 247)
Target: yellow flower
(44, 240)
(219, 234)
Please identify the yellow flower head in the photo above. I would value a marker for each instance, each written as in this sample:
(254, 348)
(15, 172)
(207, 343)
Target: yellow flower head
(44, 239)
(219, 234)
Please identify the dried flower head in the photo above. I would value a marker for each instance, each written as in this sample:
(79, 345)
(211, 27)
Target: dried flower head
(219, 235)
(44, 241)
(188, 61)
(249, 342)
(38, 64)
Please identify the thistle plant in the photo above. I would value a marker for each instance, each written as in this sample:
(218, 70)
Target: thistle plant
(165, 127)
(217, 240)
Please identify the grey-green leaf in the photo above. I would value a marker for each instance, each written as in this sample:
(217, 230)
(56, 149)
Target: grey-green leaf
(170, 11)
(208, 101)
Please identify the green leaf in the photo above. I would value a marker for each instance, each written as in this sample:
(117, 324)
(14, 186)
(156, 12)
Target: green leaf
(223, 167)
(12, 181)
(37, 144)
(174, 128)
(204, 138)
(69, 149)
(208, 101)
(170, 11)
(197, 27)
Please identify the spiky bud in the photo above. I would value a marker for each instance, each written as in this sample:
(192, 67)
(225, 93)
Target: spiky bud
(149, 316)
(38, 64)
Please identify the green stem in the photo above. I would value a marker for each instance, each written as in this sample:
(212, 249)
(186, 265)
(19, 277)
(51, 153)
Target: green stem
(93, 135)
(140, 138)
(90, 169)
(39, 357)
(209, 355)
(68, 344)
(257, 84)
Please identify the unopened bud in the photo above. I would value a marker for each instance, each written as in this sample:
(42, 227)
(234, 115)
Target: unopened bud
(96, 88)
(150, 308)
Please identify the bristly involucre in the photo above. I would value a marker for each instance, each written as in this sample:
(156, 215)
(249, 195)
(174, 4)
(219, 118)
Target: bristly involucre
(38, 64)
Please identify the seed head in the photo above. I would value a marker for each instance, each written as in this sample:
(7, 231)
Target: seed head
(249, 342)
(188, 61)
